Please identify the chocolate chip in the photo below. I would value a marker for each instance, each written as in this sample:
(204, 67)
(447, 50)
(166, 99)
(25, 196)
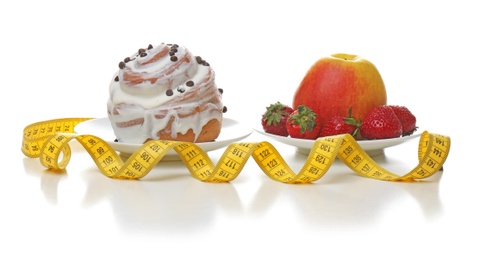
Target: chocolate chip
(116, 78)
(127, 59)
(141, 50)
(190, 83)
(122, 65)
(220, 90)
(171, 53)
(143, 54)
(181, 90)
(224, 109)
(116, 140)
(169, 92)
(201, 61)
(174, 58)
(150, 47)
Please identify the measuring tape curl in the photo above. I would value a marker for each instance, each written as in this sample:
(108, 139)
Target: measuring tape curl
(48, 140)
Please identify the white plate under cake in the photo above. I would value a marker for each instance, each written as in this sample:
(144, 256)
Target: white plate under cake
(232, 131)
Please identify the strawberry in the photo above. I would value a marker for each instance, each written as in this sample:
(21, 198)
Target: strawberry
(381, 123)
(340, 125)
(274, 119)
(407, 119)
(302, 123)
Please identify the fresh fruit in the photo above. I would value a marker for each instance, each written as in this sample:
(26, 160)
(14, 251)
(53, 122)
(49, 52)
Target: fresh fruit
(302, 124)
(381, 123)
(340, 81)
(341, 125)
(274, 119)
(407, 119)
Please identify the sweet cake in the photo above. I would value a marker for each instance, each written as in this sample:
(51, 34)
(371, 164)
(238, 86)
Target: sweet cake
(165, 92)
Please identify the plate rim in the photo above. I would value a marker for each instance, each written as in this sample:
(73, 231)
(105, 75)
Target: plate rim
(245, 131)
(365, 144)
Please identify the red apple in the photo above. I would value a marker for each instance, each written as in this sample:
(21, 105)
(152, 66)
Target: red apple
(340, 81)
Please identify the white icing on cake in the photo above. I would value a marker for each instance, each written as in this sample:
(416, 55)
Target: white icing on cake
(139, 105)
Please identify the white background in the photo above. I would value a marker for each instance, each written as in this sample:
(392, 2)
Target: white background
(58, 58)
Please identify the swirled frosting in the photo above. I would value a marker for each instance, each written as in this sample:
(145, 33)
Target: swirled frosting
(162, 88)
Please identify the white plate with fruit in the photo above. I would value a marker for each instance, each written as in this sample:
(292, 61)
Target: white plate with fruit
(371, 147)
(382, 127)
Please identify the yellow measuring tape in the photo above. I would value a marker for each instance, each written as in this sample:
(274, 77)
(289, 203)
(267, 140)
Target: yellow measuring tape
(48, 140)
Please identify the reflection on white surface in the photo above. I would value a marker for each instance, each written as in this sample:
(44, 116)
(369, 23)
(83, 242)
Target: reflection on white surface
(168, 199)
